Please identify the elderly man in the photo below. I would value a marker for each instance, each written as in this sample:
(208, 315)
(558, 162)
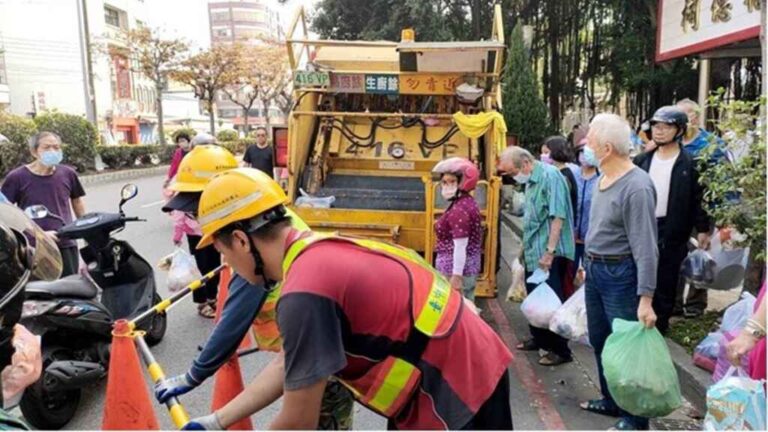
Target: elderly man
(45, 181)
(621, 251)
(547, 239)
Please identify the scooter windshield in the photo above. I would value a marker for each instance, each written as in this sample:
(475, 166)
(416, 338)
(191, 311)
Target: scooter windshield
(46, 258)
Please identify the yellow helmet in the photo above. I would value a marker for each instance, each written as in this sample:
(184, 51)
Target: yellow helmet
(237, 195)
(199, 165)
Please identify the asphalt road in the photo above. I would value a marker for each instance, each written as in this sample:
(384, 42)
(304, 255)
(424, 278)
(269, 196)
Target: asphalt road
(540, 397)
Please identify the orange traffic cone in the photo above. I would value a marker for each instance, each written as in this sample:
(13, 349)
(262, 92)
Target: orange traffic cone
(229, 380)
(128, 406)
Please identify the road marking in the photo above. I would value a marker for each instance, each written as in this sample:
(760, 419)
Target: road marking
(152, 204)
(525, 373)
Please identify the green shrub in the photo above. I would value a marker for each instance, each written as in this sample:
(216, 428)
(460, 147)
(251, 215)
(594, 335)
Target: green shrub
(78, 134)
(227, 135)
(16, 152)
(237, 146)
(189, 131)
(128, 156)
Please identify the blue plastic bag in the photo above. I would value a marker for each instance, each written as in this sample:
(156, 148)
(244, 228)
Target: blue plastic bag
(736, 402)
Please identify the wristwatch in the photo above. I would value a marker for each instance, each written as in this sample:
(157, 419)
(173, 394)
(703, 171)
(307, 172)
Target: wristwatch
(551, 250)
(754, 329)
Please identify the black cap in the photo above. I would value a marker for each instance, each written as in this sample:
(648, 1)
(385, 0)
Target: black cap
(183, 201)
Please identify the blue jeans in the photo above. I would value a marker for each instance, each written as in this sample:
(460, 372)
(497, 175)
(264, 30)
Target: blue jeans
(611, 292)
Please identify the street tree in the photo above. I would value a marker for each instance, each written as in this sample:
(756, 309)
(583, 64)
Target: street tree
(263, 76)
(524, 111)
(155, 58)
(209, 72)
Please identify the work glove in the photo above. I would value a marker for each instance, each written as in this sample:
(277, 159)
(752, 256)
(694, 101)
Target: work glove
(174, 386)
(209, 422)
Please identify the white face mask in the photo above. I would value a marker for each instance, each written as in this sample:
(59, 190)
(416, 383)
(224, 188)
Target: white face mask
(522, 178)
(449, 192)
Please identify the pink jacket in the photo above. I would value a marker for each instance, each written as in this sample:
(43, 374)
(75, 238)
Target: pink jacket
(178, 155)
(183, 224)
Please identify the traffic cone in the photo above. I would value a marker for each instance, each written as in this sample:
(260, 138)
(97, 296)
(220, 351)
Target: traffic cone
(127, 406)
(229, 380)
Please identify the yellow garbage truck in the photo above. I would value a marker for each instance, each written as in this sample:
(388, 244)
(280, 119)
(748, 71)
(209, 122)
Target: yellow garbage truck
(370, 120)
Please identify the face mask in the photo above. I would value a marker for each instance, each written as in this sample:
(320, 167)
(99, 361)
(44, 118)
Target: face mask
(522, 178)
(184, 145)
(51, 157)
(449, 192)
(583, 160)
(590, 158)
(546, 158)
(25, 366)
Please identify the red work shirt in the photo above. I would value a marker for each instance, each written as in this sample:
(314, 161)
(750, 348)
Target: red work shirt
(344, 308)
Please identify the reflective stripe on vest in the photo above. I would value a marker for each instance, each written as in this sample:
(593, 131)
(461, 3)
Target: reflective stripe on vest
(389, 385)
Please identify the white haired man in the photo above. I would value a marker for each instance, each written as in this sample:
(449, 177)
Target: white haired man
(547, 240)
(621, 252)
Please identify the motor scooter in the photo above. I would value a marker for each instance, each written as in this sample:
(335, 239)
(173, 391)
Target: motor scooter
(74, 314)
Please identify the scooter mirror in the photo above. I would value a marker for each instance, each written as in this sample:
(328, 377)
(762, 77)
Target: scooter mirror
(129, 191)
(38, 211)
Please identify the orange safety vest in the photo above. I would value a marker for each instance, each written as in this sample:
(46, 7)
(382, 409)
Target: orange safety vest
(264, 327)
(389, 385)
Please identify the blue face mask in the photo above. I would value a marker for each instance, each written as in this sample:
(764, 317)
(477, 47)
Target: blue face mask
(51, 157)
(590, 157)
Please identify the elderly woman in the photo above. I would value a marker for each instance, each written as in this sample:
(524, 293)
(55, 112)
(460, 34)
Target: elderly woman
(459, 230)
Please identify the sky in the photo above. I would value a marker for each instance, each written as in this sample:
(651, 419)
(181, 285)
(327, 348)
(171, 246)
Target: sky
(188, 19)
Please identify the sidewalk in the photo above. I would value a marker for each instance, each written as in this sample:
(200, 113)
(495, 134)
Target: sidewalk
(125, 174)
(553, 393)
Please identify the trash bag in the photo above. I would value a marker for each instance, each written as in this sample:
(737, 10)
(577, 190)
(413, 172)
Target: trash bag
(737, 314)
(639, 371)
(723, 364)
(737, 402)
(183, 270)
(540, 305)
(516, 291)
(570, 321)
(706, 352)
(730, 265)
(307, 200)
(698, 266)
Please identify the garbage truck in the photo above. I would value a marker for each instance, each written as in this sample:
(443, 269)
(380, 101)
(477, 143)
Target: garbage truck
(370, 119)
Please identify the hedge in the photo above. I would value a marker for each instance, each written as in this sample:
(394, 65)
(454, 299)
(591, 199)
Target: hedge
(127, 156)
(16, 152)
(237, 146)
(227, 135)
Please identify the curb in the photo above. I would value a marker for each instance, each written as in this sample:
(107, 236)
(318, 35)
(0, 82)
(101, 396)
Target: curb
(693, 380)
(122, 175)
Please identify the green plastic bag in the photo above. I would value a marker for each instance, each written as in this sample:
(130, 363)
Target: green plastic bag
(639, 371)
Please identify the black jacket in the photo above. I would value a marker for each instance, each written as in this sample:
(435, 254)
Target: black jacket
(685, 210)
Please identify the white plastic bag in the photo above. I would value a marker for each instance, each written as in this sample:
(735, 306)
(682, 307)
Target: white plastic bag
(737, 402)
(570, 321)
(737, 314)
(730, 265)
(516, 291)
(307, 200)
(540, 305)
(183, 270)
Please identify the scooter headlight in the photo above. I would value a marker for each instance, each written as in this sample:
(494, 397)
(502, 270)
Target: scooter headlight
(35, 308)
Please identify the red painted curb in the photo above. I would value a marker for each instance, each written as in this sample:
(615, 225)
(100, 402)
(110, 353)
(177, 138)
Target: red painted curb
(525, 373)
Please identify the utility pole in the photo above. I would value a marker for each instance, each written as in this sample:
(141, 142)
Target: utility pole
(85, 54)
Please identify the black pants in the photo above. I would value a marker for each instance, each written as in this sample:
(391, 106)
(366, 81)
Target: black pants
(70, 259)
(671, 256)
(494, 414)
(207, 259)
(544, 338)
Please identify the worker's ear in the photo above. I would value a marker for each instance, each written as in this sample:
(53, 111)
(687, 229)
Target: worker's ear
(240, 241)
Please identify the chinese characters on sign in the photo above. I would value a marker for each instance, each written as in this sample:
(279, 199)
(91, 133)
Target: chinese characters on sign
(311, 79)
(691, 15)
(752, 5)
(721, 10)
(347, 83)
(381, 84)
(429, 84)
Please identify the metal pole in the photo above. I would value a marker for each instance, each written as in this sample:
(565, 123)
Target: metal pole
(178, 413)
(85, 52)
(704, 67)
(165, 304)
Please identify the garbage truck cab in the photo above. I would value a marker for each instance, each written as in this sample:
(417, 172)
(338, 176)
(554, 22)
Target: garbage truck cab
(372, 118)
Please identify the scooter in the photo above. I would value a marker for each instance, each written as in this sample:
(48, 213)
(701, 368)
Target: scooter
(75, 323)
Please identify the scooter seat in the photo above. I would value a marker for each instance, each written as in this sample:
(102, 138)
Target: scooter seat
(76, 286)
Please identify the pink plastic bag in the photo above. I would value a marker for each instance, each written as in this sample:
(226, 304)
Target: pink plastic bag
(25, 368)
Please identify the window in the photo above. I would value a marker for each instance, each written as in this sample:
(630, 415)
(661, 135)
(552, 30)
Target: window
(122, 77)
(220, 16)
(222, 32)
(112, 16)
